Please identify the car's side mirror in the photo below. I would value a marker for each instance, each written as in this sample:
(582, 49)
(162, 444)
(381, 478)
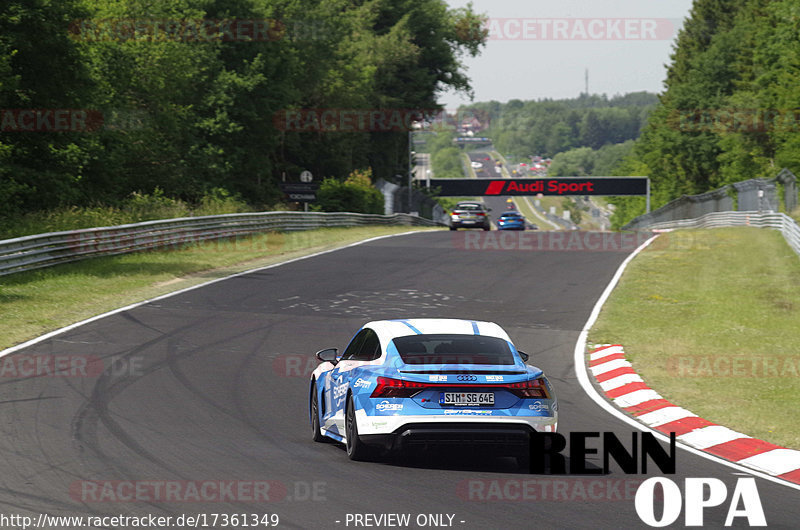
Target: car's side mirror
(328, 355)
(524, 355)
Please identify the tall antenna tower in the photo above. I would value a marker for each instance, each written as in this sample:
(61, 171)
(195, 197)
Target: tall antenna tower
(587, 81)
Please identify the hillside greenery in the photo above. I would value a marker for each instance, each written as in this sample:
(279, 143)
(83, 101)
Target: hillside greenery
(547, 127)
(729, 109)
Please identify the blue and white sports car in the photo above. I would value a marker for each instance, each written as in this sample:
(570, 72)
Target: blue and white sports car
(402, 383)
(511, 220)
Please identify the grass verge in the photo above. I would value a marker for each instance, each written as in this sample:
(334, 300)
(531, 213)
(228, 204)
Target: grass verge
(526, 209)
(33, 303)
(709, 319)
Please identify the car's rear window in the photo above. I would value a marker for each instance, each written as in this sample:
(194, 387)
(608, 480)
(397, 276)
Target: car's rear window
(469, 207)
(453, 349)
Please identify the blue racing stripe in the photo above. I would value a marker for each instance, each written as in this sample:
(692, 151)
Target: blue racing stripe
(407, 323)
(475, 328)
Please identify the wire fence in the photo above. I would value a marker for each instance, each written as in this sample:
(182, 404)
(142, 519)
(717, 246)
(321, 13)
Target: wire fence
(763, 195)
(753, 202)
(45, 250)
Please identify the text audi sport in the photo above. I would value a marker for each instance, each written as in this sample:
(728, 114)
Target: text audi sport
(401, 383)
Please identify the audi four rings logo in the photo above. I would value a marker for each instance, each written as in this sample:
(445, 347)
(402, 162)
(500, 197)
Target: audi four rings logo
(466, 378)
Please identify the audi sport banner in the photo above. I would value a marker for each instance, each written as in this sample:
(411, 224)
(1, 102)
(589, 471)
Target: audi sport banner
(546, 186)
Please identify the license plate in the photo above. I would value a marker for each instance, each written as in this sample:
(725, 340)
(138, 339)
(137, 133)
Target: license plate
(466, 399)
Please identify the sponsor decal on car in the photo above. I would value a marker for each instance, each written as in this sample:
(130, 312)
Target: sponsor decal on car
(362, 383)
(385, 405)
(493, 378)
(339, 391)
(437, 378)
(539, 406)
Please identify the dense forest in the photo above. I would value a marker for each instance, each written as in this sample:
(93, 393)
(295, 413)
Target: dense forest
(548, 127)
(104, 98)
(729, 111)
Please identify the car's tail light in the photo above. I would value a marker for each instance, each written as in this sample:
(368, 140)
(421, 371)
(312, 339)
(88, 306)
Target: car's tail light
(532, 388)
(388, 387)
(481, 214)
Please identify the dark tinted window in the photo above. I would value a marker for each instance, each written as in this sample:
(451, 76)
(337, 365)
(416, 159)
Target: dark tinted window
(354, 345)
(370, 349)
(469, 206)
(364, 347)
(453, 349)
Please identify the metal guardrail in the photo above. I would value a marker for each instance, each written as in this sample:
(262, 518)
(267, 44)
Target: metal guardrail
(747, 195)
(44, 250)
(779, 221)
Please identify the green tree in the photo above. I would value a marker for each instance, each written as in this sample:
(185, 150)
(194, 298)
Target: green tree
(40, 68)
(355, 194)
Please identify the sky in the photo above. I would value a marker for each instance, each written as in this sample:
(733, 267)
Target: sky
(542, 48)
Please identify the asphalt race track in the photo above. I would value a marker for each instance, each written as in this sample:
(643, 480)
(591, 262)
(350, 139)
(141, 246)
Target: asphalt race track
(210, 385)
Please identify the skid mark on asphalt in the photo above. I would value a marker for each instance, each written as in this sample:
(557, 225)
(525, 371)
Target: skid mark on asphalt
(371, 304)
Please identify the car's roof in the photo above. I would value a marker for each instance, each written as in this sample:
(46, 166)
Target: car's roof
(390, 329)
(511, 212)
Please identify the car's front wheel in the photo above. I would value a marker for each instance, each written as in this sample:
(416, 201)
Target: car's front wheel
(356, 449)
(315, 427)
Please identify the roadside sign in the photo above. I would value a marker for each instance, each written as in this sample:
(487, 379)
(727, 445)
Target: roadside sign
(306, 176)
(299, 192)
(308, 196)
(287, 187)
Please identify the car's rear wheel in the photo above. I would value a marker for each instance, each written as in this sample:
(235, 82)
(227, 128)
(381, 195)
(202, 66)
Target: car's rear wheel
(356, 449)
(487, 228)
(453, 228)
(315, 426)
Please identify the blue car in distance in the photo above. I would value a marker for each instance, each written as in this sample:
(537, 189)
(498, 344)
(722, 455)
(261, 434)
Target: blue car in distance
(420, 382)
(511, 220)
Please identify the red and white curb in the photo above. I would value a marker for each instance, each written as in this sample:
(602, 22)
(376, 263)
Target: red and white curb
(626, 389)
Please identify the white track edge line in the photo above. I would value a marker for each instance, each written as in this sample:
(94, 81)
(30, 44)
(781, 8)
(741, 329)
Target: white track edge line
(64, 329)
(591, 391)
